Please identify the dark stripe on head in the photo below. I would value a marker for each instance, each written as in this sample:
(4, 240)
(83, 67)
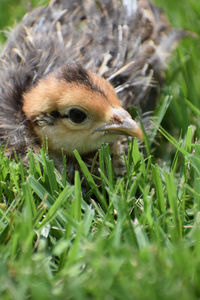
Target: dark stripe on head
(77, 74)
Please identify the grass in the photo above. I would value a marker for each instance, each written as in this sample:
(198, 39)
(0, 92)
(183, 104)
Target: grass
(11, 11)
(141, 238)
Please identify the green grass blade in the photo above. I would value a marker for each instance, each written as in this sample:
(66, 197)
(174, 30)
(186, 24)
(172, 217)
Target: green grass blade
(159, 188)
(173, 202)
(90, 180)
(40, 191)
(62, 198)
(78, 197)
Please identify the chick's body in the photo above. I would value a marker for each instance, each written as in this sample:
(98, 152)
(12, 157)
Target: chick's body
(128, 43)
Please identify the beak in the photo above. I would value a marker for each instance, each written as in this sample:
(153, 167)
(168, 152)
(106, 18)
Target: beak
(121, 123)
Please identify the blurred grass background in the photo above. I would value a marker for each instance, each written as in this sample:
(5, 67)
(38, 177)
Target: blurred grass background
(11, 11)
(143, 242)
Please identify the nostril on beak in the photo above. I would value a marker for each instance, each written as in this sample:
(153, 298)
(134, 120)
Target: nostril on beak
(117, 119)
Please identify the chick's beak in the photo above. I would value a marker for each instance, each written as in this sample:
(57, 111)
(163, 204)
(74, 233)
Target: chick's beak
(121, 123)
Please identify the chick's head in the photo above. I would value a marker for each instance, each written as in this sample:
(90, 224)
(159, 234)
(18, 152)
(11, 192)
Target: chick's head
(76, 109)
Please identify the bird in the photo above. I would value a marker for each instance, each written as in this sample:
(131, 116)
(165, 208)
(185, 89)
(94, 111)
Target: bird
(71, 70)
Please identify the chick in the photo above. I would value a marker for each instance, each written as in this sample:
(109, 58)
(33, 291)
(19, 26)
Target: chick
(70, 71)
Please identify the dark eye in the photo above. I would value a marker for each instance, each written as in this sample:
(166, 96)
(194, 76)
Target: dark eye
(76, 115)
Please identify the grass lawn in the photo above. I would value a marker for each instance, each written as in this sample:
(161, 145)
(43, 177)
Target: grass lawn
(141, 239)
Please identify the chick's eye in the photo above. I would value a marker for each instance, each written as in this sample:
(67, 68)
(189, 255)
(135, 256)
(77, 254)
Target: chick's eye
(76, 115)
